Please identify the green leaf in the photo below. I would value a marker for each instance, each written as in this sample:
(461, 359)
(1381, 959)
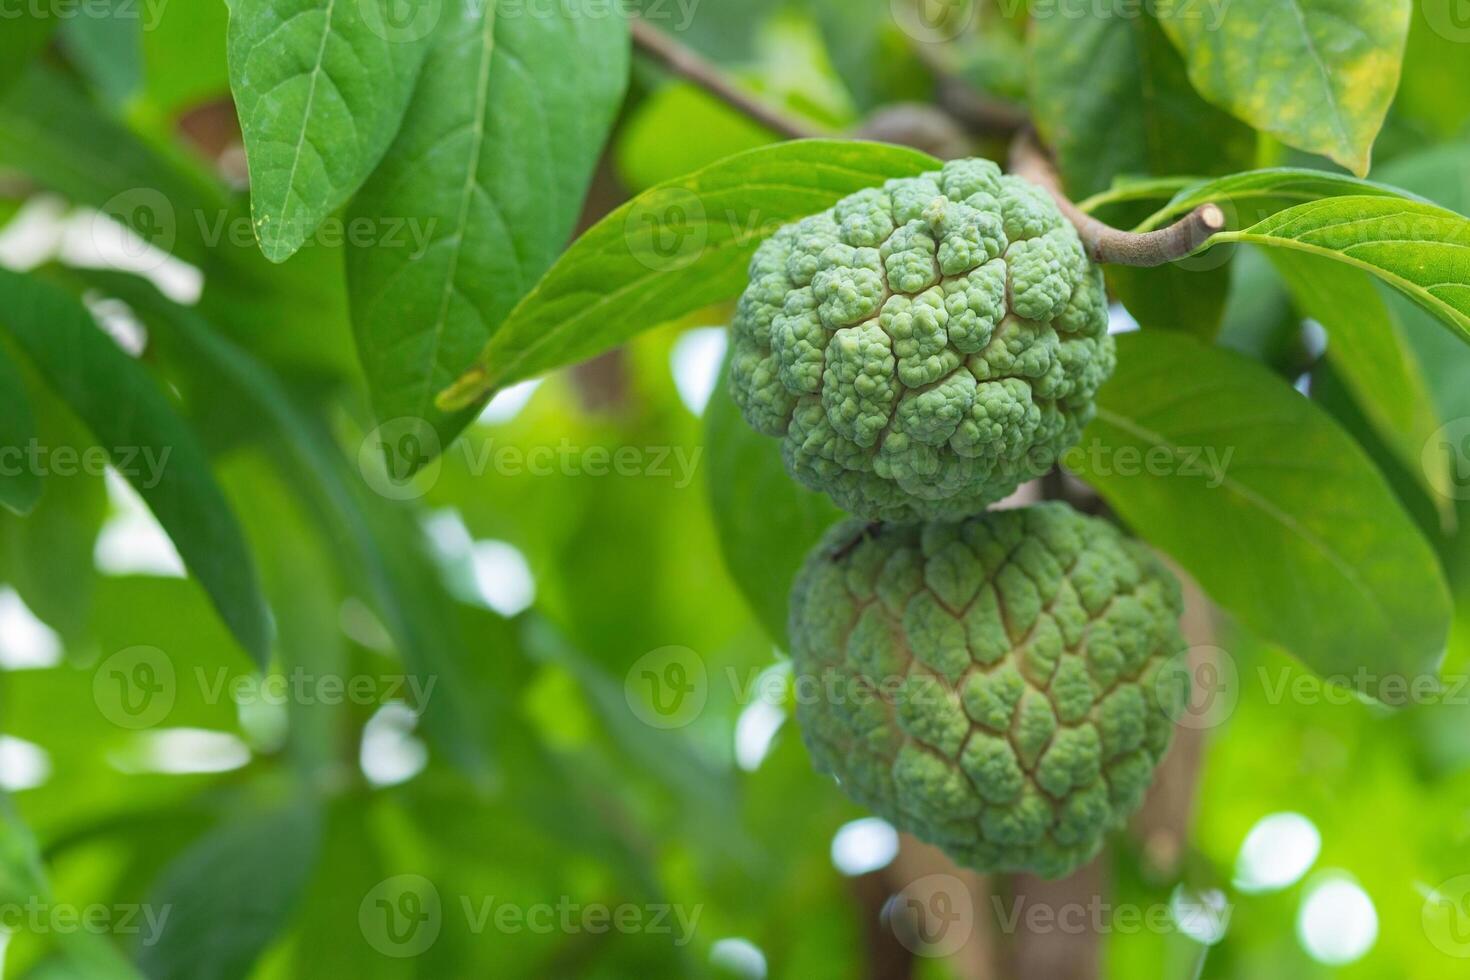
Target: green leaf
(1421, 250)
(489, 171)
(1258, 194)
(28, 27)
(1110, 98)
(766, 521)
(1269, 504)
(131, 418)
(1368, 348)
(1188, 296)
(230, 893)
(321, 87)
(1317, 74)
(20, 484)
(107, 46)
(675, 249)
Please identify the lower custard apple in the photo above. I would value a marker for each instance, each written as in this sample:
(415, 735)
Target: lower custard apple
(1002, 687)
(924, 347)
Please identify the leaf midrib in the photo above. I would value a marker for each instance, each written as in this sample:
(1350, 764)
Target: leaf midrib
(316, 73)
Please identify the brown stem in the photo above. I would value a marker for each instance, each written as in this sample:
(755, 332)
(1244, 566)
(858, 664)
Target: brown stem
(689, 65)
(977, 112)
(1103, 242)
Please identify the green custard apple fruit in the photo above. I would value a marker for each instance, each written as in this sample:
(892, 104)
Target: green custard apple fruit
(1002, 687)
(925, 347)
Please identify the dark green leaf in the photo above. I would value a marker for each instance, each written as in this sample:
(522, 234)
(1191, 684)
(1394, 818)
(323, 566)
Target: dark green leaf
(230, 893)
(487, 178)
(1368, 350)
(107, 45)
(132, 419)
(1265, 500)
(766, 521)
(1110, 97)
(1317, 74)
(20, 484)
(321, 87)
(27, 29)
(674, 249)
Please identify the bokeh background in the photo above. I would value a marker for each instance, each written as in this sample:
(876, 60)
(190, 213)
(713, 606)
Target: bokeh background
(597, 774)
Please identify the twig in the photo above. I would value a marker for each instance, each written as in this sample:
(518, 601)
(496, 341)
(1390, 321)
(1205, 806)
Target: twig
(689, 65)
(1103, 242)
(977, 112)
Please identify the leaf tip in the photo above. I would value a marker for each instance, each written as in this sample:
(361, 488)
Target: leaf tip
(471, 387)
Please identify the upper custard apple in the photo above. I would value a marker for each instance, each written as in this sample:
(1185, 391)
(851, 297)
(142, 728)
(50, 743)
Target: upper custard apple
(925, 347)
(1002, 687)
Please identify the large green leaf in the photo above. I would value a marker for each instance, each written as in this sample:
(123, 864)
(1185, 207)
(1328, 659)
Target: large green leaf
(321, 87)
(489, 172)
(1317, 74)
(1419, 249)
(1265, 500)
(1369, 351)
(230, 893)
(133, 420)
(1110, 97)
(1257, 194)
(677, 248)
(20, 484)
(766, 521)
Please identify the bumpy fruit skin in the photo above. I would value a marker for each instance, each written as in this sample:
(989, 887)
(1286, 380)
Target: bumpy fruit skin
(1002, 687)
(925, 347)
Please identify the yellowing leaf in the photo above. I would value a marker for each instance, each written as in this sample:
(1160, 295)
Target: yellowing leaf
(1317, 74)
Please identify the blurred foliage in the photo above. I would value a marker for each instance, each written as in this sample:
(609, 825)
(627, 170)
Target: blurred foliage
(501, 749)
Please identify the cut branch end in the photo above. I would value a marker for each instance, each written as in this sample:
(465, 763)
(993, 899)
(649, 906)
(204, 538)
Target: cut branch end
(1104, 243)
